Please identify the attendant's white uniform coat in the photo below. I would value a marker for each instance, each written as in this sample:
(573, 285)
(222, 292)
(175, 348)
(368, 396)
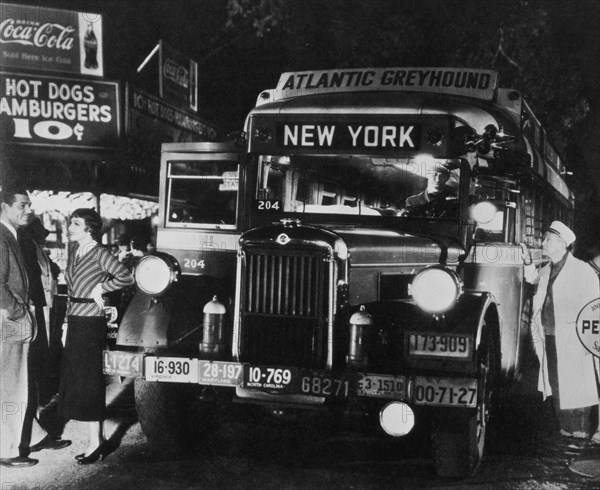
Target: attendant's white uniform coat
(575, 286)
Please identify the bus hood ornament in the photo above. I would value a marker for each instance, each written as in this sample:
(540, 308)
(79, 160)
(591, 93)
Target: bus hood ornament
(283, 239)
(290, 222)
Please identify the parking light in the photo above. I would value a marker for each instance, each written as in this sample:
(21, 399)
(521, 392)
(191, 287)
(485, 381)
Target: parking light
(397, 419)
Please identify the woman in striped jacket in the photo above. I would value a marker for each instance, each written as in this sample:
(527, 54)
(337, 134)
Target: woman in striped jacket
(91, 272)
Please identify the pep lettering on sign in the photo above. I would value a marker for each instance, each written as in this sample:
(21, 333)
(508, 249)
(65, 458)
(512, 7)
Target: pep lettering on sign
(588, 327)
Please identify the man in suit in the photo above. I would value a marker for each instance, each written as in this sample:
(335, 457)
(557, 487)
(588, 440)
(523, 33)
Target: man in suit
(16, 330)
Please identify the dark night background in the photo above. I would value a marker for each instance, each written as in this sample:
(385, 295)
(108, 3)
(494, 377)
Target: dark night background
(547, 49)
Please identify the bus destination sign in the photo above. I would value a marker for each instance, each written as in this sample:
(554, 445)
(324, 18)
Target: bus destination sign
(348, 136)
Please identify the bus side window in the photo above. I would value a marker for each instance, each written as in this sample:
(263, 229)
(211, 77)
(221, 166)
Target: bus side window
(500, 229)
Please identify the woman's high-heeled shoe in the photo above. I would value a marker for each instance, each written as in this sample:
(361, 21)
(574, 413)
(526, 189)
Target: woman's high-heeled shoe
(98, 453)
(79, 456)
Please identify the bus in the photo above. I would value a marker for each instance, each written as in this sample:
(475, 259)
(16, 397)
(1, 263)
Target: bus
(357, 249)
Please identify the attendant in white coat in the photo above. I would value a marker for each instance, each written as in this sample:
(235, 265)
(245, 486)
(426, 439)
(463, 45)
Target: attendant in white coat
(564, 286)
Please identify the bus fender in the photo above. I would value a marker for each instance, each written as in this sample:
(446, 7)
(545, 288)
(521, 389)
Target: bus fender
(472, 312)
(145, 322)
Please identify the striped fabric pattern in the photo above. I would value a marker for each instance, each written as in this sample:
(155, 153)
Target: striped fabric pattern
(98, 265)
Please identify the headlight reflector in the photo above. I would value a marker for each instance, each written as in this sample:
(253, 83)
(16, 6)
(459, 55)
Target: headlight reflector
(436, 289)
(155, 274)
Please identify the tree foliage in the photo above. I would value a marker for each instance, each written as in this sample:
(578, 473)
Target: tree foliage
(539, 47)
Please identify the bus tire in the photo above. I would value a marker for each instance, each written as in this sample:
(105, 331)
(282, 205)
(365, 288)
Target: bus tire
(170, 415)
(458, 434)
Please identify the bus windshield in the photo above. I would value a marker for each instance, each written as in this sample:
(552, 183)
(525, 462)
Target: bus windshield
(202, 193)
(363, 186)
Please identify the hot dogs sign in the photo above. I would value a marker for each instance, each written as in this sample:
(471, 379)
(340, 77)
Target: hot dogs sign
(43, 39)
(39, 110)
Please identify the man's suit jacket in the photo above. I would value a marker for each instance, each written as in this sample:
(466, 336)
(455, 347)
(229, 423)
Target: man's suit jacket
(14, 290)
(14, 343)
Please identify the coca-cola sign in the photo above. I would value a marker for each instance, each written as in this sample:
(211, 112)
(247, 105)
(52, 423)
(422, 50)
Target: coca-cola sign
(45, 36)
(176, 73)
(178, 77)
(43, 39)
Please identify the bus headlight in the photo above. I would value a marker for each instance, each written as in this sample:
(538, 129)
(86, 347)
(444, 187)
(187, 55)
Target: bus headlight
(436, 289)
(155, 274)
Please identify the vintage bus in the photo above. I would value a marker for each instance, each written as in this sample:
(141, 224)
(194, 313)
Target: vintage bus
(358, 249)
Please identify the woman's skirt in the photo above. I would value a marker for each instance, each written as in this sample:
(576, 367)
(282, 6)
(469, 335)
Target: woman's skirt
(82, 389)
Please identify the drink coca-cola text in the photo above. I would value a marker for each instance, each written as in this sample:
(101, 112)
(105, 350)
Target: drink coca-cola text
(50, 35)
(176, 73)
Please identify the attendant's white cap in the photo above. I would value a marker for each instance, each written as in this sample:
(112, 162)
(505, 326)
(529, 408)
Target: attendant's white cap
(562, 231)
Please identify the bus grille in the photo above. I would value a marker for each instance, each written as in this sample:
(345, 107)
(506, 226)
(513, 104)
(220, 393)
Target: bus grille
(284, 308)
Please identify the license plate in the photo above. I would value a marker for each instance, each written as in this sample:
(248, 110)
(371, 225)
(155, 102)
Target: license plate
(172, 369)
(272, 378)
(381, 386)
(440, 345)
(219, 373)
(324, 385)
(127, 364)
(452, 392)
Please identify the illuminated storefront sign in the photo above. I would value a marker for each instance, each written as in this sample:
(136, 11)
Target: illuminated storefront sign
(39, 110)
(178, 78)
(44, 39)
(171, 124)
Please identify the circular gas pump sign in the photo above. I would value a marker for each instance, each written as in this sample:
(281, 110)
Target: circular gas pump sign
(588, 327)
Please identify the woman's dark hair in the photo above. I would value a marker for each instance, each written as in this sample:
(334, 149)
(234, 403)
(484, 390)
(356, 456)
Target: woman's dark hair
(92, 221)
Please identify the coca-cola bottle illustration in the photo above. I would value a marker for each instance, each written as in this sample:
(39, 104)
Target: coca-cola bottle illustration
(90, 44)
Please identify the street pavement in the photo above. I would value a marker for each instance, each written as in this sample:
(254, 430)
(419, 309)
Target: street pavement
(524, 451)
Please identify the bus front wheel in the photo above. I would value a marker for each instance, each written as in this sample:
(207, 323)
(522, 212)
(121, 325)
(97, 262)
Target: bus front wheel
(458, 434)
